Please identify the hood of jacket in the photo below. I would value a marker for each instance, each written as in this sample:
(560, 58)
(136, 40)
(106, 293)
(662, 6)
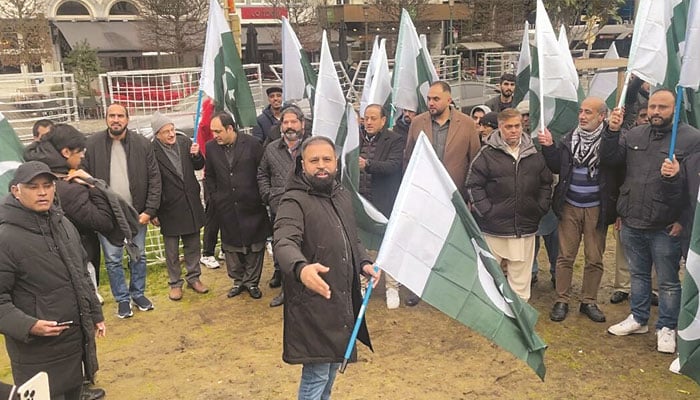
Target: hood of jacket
(527, 148)
(14, 213)
(45, 152)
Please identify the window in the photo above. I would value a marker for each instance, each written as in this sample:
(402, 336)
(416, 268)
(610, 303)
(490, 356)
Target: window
(72, 8)
(123, 8)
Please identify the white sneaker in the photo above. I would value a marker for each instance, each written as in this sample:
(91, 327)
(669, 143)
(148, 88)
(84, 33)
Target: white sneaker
(268, 247)
(222, 255)
(628, 327)
(666, 340)
(392, 298)
(675, 366)
(209, 262)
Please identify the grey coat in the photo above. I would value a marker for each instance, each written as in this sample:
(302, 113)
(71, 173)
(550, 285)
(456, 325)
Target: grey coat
(273, 173)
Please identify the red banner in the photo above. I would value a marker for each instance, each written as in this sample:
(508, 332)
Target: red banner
(263, 12)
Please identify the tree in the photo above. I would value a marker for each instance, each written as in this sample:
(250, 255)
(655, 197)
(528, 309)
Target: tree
(302, 17)
(175, 26)
(25, 36)
(83, 63)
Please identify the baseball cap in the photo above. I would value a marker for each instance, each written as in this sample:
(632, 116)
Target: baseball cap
(274, 89)
(490, 119)
(30, 170)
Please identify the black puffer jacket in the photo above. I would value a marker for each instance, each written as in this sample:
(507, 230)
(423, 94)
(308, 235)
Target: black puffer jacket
(560, 160)
(43, 275)
(648, 200)
(509, 196)
(266, 120)
(313, 227)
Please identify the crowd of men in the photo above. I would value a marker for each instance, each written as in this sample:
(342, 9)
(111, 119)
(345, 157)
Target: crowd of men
(76, 193)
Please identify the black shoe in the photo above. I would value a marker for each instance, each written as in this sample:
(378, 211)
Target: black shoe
(278, 300)
(235, 291)
(654, 299)
(559, 311)
(92, 393)
(255, 292)
(412, 300)
(276, 280)
(618, 297)
(592, 311)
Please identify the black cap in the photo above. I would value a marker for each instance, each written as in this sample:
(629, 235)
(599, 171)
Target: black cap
(30, 170)
(274, 89)
(490, 119)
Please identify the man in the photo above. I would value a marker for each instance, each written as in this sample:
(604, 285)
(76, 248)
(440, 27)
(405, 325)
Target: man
(211, 225)
(270, 115)
(478, 112)
(41, 128)
(321, 257)
(650, 206)
(452, 134)
(506, 87)
(403, 123)
(584, 201)
(180, 215)
(49, 313)
(510, 189)
(381, 161)
(231, 178)
(487, 124)
(524, 109)
(276, 165)
(126, 162)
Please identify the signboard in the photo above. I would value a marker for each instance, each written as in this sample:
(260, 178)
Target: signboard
(263, 12)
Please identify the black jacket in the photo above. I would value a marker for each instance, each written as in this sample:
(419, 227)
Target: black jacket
(313, 227)
(560, 160)
(509, 196)
(648, 200)
(180, 211)
(234, 192)
(386, 167)
(43, 275)
(274, 170)
(266, 120)
(144, 177)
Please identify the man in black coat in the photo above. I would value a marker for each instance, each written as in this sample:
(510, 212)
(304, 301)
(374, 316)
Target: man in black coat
(381, 162)
(270, 115)
(231, 178)
(49, 313)
(321, 258)
(180, 215)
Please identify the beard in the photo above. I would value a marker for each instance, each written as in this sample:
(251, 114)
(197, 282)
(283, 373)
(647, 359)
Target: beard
(292, 135)
(116, 132)
(323, 185)
(664, 123)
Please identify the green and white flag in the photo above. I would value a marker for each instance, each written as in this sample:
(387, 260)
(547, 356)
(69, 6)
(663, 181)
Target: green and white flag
(369, 76)
(442, 257)
(298, 76)
(412, 73)
(522, 77)
(223, 78)
(604, 82)
(553, 80)
(380, 90)
(336, 119)
(690, 68)
(11, 151)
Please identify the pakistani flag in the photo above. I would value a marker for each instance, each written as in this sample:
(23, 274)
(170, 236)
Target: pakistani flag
(223, 78)
(336, 119)
(380, 90)
(522, 78)
(553, 79)
(441, 256)
(604, 83)
(690, 69)
(413, 71)
(298, 76)
(369, 76)
(11, 150)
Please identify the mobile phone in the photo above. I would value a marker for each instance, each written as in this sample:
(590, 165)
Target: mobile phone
(65, 323)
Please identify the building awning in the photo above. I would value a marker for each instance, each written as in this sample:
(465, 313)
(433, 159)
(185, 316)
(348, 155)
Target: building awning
(476, 46)
(110, 36)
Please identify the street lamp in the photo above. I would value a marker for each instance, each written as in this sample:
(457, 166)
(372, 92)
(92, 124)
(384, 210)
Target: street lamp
(451, 3)
(365, 11)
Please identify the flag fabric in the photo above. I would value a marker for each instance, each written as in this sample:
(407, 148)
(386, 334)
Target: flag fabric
(552, 74)
(412, 73)
(223, 78)
(442, 257)
(604, 83)
(369, 76)
(298, 76)
(522, 76)
(337, 120)
(11, 150)
(690, 68)
(380, 90)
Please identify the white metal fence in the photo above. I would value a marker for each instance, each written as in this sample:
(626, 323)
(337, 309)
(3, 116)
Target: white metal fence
(495, 65)
(350, 91)
(27, 98)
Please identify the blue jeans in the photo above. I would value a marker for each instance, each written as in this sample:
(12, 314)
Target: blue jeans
(642, 249)
(115, 269)
(317, 381)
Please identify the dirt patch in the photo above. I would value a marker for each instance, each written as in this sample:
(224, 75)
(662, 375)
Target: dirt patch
(212, 347)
